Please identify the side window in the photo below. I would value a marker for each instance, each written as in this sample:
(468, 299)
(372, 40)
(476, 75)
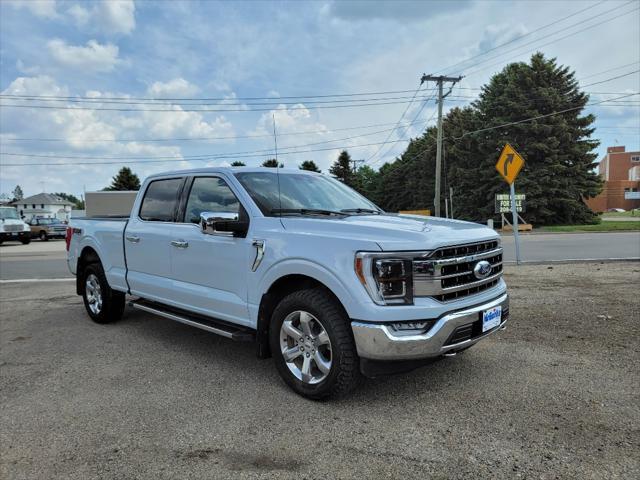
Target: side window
(210, 194)
(159, 202)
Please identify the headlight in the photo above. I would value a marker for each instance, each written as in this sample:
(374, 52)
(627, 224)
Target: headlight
(387, 277)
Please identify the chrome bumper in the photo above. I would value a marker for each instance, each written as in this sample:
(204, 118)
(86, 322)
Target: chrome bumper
(378, 341)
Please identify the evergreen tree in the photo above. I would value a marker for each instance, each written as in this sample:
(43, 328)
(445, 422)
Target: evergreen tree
(309, 165)
(79, 204)
(125, 179)
(272, 163)
(559, 155)
(367, 182)
(17, 193)
(238, 163)
(341, 168)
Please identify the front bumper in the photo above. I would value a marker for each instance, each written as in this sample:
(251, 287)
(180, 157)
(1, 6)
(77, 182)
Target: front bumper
(14, 235)
(377, 341)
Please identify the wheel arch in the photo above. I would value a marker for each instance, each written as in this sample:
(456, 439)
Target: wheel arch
(278, 289)
(87, 256)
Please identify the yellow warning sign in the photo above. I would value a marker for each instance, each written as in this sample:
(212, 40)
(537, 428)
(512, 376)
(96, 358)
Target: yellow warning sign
(509, 164)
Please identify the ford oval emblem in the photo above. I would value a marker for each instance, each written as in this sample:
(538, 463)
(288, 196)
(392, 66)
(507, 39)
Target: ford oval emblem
(482, 269)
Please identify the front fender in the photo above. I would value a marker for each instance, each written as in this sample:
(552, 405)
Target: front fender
(300, 266)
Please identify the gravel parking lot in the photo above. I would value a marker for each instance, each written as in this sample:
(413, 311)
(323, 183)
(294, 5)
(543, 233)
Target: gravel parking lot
(554, 396)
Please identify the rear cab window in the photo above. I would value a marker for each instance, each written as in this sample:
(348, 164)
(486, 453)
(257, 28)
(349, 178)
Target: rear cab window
(160, 200)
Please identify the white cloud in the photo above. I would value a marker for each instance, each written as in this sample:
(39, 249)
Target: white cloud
(108, 16)
(178, 87)
(40, 8)
(289, 119)
(80, 14)
(94, 56)
(118, 17)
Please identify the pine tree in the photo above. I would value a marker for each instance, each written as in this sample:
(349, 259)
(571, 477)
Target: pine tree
(309, 165)
(558, 173)
(125, 179)
(341, 168)
(238, 163)
(17, 193)
(272, 163)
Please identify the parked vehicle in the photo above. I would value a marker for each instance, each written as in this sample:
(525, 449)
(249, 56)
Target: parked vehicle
(46, 228)
(312, 272)
(12, 227)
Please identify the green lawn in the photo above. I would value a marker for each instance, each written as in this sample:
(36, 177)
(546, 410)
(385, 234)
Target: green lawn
(628, 213)
(610, 226)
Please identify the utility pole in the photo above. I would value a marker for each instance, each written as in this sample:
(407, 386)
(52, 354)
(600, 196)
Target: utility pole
(439, 79)
(355, 164)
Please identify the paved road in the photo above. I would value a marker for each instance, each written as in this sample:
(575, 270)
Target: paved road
(555, 395)
(47, 259)
(540, 247)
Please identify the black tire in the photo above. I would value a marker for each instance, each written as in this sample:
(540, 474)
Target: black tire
(26, 240)
(344, 373)
(112, 301)
(43, 236)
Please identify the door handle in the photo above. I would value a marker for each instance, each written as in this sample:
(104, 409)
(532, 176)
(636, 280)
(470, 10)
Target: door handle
(132, 238)
(179, 243)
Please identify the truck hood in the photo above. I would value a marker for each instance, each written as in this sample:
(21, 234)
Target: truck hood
(393, 232)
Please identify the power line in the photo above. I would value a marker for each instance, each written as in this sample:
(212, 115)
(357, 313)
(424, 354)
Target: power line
(201, 110)
(123, 101)
(614, 78)
(397, 123)
(520, 37)
(185, 139)
(467, 74)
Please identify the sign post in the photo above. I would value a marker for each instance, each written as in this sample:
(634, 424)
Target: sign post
(509, 165)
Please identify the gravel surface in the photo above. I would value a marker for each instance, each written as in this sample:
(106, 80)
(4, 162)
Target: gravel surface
(553, 396)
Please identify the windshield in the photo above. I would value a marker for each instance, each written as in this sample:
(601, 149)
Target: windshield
(8, 213)
(46, 221)
(302, 192)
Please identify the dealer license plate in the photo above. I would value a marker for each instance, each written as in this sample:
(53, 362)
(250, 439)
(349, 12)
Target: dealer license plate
(491, 318)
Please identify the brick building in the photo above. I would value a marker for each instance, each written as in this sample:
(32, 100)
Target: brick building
(620, 171)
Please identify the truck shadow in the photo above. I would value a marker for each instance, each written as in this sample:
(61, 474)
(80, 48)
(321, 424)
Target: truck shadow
(239, 360)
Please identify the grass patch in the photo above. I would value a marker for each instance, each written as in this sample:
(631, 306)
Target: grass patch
(611, 226)
(628, 213)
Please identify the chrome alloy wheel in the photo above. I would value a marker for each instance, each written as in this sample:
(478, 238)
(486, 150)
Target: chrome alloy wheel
(305, 347)
(94, 294)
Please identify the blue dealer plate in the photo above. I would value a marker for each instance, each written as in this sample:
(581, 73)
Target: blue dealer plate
(491, 318)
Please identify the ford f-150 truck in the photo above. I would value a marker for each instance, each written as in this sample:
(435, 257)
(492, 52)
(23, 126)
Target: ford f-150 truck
(319, 277)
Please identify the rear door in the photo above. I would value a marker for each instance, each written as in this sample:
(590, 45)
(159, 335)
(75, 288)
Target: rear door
(147, 239)
(210, 271)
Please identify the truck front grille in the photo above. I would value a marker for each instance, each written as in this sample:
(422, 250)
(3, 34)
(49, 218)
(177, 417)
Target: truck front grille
(447, 274)
(13, 228)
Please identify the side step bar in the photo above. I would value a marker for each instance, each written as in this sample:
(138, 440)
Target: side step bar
(219, 327)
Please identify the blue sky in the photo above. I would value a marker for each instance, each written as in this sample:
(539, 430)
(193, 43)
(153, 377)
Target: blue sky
(235, 50)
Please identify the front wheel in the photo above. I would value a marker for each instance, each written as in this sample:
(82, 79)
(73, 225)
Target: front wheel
(103, 304)
(43, 236)
(313, 346)
(26, 240)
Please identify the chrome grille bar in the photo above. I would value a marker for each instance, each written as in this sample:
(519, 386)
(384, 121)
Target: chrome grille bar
(437, 276)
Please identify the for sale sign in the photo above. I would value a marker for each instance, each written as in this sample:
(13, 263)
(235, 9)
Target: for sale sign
(503, 203)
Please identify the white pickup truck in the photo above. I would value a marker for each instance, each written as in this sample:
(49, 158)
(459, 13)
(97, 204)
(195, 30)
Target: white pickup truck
(315, 274)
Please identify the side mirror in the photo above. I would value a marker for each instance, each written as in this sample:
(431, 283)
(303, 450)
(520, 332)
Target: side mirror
(217, 223)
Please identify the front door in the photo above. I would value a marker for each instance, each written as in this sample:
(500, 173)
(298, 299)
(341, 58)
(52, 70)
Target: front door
(209, 271)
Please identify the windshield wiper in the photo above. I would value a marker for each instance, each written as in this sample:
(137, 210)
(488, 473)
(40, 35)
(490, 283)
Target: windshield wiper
(361, 210)
(307, 211)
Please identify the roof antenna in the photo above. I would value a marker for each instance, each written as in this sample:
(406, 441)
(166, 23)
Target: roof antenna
(275, 142)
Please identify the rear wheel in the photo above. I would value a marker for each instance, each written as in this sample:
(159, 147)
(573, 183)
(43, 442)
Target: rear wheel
(312, 345)
(43, 236)
(103, 304)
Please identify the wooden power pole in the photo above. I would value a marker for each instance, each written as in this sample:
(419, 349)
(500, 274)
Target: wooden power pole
(440, 80)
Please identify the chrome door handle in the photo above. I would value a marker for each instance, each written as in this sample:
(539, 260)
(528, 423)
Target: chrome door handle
(179, 243)
(132, 238)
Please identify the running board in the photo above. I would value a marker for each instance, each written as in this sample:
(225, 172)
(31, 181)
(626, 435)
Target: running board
(219, 327)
